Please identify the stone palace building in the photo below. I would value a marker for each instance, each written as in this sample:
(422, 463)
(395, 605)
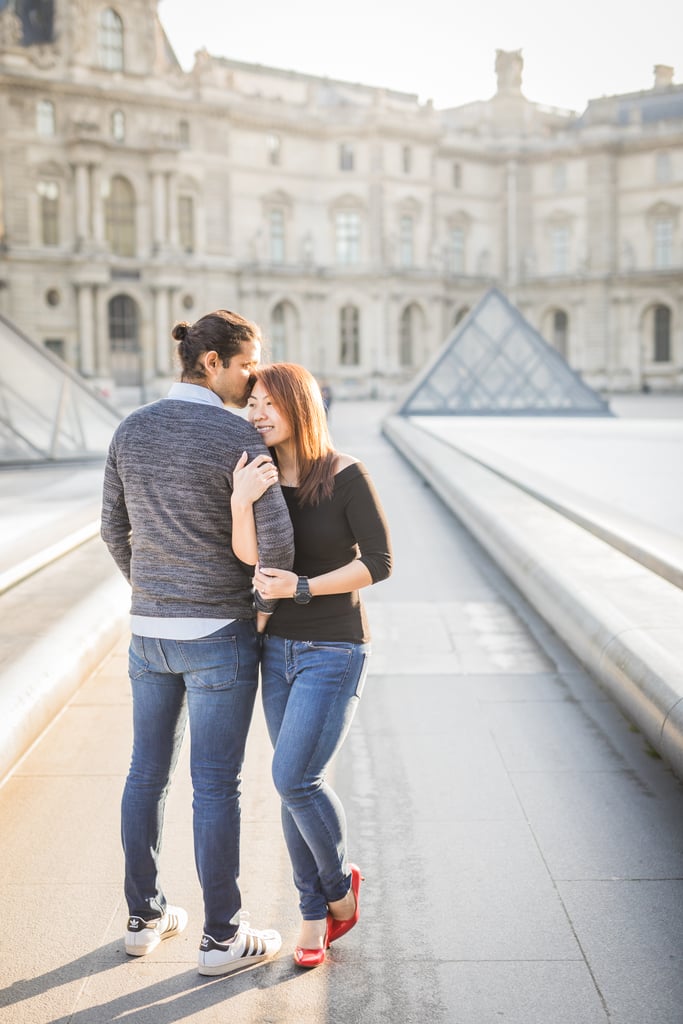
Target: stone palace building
(355, 224)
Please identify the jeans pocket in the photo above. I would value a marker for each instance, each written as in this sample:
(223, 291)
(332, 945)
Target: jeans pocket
(211, 664)
(137, 663)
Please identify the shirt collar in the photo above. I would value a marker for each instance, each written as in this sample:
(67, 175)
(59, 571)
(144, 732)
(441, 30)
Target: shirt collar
(194, 393)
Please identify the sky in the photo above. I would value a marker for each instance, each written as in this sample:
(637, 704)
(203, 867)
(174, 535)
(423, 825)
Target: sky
(442, 51)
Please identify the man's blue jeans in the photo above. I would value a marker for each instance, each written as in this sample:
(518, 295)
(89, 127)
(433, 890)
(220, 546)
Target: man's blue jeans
(311, 690)
(213, 682)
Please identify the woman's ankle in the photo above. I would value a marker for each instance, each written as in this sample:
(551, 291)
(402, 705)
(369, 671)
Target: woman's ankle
(343, 909)
(312, 934)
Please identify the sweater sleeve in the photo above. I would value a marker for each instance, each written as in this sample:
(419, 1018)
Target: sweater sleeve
(368, 524)
(274, 532)
(115, 524)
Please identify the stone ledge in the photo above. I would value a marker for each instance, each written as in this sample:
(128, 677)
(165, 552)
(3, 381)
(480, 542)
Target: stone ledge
(622, 620)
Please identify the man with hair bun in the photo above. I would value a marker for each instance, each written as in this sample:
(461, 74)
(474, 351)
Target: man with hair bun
(194, 650)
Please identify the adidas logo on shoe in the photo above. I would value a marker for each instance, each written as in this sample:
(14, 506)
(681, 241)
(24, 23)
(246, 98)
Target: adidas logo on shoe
(144, 936)
(249, 946)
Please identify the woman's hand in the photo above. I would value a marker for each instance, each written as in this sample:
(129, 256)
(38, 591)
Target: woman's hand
(250, 481)
(275, 583)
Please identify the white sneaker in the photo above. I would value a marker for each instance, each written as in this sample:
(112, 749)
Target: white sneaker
(249, 946)
(144, 936)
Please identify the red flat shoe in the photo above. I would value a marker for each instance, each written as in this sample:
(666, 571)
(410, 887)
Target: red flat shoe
(335, 929)
(312, 957)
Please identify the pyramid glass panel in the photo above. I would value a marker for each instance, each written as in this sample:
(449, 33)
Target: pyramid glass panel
(47, 412)
(495, 364)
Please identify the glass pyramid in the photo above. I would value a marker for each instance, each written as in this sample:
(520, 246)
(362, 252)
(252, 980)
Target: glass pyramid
(496, 364)
(47, 411)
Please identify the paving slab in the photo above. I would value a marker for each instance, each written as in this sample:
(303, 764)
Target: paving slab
(521, 846)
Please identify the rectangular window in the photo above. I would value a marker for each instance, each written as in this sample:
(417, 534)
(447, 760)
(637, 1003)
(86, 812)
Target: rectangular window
(456, 251)
(184, 134)
(348, 237)
(48, 191)
(118, 126)
(457, 175)
(559, 175)
(664, 236)
(349, 336)
(56, 346)
(663, 173)
(407, 159)
(45, 119)
(559, 240)
(274, 149)
(346, 161)
(406, 253)
(277, 236)
(186, 223)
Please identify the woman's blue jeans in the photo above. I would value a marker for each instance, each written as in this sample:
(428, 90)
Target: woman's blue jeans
(212, 682)
(311, 690)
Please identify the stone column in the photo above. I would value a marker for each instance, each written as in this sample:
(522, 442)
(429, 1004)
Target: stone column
(86, 332)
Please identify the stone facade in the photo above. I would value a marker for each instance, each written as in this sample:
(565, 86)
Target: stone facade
(355, 224)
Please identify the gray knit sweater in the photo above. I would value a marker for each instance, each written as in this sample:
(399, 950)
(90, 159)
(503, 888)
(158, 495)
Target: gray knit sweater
(166, 515)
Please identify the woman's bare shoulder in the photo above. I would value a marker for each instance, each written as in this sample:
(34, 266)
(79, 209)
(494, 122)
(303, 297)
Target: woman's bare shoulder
(344, 461)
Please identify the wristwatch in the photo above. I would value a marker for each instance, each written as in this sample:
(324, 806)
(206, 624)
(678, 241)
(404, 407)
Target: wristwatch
(302, 594)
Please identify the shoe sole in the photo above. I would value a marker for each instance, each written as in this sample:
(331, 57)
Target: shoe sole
(144, 950)
(234, 965)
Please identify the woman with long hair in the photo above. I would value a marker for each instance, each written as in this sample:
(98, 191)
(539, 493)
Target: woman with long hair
(316, 643)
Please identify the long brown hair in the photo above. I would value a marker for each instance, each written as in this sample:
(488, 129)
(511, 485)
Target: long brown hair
(296, 395)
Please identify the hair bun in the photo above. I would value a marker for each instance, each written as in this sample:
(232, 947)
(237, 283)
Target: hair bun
(180, 330)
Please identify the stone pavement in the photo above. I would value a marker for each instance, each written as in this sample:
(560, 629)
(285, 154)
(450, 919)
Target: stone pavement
(522, 846)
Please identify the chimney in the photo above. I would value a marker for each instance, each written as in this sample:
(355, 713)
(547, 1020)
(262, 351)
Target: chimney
(664, 76)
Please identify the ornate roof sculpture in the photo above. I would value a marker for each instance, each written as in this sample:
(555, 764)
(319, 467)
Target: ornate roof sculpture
(496, 364)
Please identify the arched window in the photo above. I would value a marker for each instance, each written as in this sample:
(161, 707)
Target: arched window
(662, 334)
(349, 336)
(284, 333)
(124, 343)
(120, 217)
(561, 332)
(110, 40)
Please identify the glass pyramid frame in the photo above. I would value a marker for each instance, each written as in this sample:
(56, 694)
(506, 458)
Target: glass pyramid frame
(48, 412)
(496, 364)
